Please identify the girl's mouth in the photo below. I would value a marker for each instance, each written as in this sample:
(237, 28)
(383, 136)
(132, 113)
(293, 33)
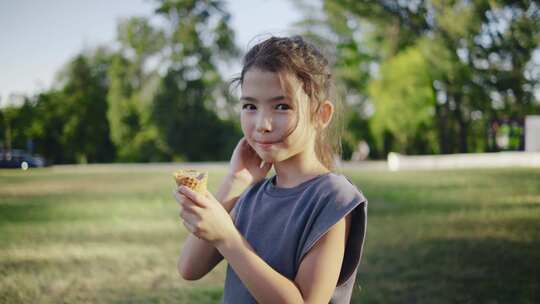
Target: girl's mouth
(265, 145)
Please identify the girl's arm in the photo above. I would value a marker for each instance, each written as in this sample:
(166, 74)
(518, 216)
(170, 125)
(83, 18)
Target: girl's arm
(198, 257)
(317, 276)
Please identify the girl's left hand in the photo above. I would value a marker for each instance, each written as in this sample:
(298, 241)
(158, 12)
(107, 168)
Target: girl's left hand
(204, 216)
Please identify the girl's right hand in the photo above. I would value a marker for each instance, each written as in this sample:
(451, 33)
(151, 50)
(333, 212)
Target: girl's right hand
(246, 164)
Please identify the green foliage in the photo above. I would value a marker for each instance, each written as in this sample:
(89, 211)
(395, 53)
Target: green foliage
(154, 118)
(118, 106)
(184, 109)
(437, 73)
(191, 130)
(479, 56)
(67, 125)
(47, 126)
(138, 36)
(404, 101)
(85, 135)
(13, 125)
(337, 37)
(132, 90)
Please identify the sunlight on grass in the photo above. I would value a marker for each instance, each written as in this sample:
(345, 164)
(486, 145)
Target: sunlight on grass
(111, 234)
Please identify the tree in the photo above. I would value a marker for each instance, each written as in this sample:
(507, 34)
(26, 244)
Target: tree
(132, 89)
(184, 108)
(404, 101)
(47, 126)
(480, 53)
(337, 38)
(85, 134)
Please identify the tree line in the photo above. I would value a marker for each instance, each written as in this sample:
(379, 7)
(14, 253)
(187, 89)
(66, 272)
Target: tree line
(417, 77)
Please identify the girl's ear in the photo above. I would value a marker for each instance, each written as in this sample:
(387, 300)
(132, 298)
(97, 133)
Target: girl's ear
(325, 114)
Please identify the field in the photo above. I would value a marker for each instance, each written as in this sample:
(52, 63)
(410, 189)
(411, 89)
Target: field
(111, 234)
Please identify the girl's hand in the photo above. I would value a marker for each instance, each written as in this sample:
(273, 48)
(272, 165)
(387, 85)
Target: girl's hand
(204, 216)
(246, 164)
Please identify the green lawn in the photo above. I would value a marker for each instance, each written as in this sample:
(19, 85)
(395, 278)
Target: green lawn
(111, 234)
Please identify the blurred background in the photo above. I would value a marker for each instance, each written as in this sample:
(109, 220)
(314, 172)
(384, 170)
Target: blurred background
(105, 95)
(129, 81)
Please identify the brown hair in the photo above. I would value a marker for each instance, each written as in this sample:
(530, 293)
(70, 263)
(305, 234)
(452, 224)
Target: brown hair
(299, 58)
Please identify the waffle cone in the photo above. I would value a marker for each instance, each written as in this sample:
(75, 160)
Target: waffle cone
(193, 179)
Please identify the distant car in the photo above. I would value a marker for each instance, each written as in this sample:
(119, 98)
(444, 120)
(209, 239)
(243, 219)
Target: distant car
(20, 159)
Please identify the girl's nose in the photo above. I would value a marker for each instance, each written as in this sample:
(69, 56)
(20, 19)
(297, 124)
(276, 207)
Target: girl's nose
(264, 124)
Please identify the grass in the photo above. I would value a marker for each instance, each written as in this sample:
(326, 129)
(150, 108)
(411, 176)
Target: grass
(111, 234)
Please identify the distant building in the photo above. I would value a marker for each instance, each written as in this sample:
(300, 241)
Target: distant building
(532, 133)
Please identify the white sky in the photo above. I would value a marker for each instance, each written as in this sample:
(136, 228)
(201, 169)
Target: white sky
(38, 37)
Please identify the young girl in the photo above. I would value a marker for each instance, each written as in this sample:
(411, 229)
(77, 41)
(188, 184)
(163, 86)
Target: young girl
(297, 236)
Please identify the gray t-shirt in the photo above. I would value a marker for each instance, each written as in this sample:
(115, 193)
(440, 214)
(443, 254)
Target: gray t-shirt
(282, 225)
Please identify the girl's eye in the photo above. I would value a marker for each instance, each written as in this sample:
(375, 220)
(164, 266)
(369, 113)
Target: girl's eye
(285, 106)
(281, 106)
(247, 106)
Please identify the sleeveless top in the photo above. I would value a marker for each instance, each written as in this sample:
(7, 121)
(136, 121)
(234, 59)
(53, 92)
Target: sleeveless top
(283, 224)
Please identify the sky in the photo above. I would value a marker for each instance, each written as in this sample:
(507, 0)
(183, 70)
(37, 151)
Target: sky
(38, 37)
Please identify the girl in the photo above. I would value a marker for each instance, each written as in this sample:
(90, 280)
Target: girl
(297, 236)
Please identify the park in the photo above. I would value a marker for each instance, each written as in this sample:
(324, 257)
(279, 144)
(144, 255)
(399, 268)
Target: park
(111, 234)
(430, 109)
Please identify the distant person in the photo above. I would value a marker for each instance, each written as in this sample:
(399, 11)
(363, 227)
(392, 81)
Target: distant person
(362, 151)
(298, 235)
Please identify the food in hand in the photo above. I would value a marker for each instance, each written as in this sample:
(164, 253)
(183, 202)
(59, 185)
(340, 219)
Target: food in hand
(193, 179)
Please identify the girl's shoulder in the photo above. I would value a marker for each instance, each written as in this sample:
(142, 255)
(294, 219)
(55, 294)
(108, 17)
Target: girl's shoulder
(341, 189)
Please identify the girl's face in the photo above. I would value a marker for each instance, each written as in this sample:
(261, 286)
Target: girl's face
(268, 117)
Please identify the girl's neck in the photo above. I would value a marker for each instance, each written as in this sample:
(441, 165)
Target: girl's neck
(290, 174)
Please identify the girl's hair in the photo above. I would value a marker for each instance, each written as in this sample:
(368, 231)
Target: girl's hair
(297, 61)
